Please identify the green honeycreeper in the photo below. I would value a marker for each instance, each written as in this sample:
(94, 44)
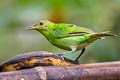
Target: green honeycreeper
(68, 36)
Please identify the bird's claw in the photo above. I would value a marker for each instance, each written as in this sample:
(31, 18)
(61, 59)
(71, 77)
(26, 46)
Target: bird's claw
(77, 62)
(61, 56)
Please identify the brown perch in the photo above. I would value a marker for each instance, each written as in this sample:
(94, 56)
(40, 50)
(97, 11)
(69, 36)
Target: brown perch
(49, 66)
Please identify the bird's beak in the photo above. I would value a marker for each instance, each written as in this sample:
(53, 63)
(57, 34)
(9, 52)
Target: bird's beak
(32, 27)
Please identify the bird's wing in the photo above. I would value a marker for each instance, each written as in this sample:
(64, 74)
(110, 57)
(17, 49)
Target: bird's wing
(69, 30)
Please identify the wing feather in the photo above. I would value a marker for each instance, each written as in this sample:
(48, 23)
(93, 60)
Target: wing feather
(67, 30)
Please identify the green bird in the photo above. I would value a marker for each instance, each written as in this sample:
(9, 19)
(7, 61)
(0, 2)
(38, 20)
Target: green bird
(68, 36)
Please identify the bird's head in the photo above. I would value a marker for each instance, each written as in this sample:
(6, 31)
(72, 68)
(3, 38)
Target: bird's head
(42, 25)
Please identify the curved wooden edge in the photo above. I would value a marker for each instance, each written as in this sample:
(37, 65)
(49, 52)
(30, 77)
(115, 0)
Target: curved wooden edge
(97, 71)
(101, 65)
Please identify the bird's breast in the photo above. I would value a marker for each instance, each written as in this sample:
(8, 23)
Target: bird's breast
(69, 42)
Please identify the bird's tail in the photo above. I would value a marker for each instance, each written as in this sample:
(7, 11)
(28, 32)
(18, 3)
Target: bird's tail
(107, 33)
(101, 35)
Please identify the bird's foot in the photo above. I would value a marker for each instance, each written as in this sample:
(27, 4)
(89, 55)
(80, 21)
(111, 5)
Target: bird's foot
(61, 56)
(76, 62)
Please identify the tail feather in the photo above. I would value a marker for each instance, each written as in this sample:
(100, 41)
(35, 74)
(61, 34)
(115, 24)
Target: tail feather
(107, 33)
(101, 35)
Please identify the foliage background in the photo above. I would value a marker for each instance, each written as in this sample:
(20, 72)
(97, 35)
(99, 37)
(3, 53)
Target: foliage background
(98, 15)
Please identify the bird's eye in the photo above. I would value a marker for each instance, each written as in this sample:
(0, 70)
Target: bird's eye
(41, 23)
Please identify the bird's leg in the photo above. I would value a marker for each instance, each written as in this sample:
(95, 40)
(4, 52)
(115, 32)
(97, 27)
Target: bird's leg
(68, 52)
(83, 50)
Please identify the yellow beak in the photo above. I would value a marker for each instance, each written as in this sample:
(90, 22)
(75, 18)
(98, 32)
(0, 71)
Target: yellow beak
(32, 27)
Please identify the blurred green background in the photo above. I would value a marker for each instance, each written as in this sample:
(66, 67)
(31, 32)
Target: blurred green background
(98, 15)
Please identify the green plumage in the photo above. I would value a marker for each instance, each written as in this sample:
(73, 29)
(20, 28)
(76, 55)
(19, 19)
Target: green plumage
(67, 36)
